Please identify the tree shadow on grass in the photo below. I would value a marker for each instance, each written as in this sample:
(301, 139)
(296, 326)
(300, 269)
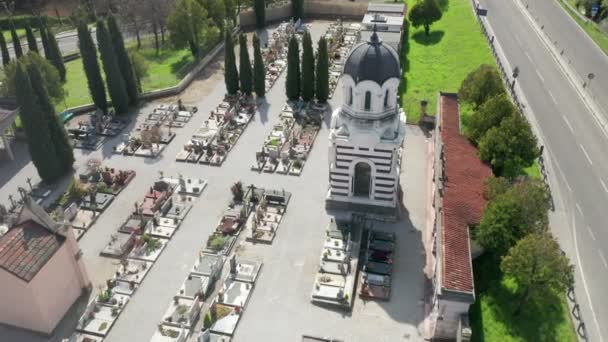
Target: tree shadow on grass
(536, 321)
(182, 67)
(444, 4)
(433, 38)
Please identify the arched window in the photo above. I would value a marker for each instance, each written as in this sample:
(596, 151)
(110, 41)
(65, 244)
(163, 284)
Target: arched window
(368, 101)
(350, 96)
(386, 99)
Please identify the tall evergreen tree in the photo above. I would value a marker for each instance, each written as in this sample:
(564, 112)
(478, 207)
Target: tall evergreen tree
(245, 73)
(32, 44)
(259, 70)
(124, 63)
(90, 64)
(297, 7)
(114, 80)
(56, 58)
(259, 6)
(40, 146)
(292, 83)
(322, 80)
(231, 75)
(16, 42)
(44, 38)
(59, 138)
(6, 57)
(308, 68)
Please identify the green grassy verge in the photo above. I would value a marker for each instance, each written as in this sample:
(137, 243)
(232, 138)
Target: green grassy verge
(164, 70)
(599, 37)
(9, 38)
(493, 315)
(440, 61)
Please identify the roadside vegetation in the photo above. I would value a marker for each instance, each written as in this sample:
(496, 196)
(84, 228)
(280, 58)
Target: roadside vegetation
(595, 33)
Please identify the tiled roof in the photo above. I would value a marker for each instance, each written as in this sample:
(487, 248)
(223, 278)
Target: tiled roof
(463, 201)
(26, 248)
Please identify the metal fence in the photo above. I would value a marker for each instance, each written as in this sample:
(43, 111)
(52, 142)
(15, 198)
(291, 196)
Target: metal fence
(509, 79)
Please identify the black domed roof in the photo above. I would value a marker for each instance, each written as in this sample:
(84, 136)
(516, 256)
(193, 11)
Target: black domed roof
(373, 61)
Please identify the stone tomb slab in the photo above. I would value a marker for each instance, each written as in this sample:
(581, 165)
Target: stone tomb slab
(247, 271)
(103, 201)
(178, 211)
(195, 285)
(133, 223)
(124, 287)
(160, 231)
(333, 267)
(84, 218)
(167, 333)
(78, 233)
(236, 293)
(333, 243)
(335, 255)
(116, 247)
(227, 320)
(84, 337)
(101, 323)
(134, 271)
(209, 265)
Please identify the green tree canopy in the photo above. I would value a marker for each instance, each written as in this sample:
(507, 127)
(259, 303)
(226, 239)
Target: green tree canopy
(231, 74)
(509, 147)
(50, 76)
(259, 7)
(114, 80)
(259, 70)
(216, 10)
(56, 58)
(140, 66)
(32, 44)
(480, 85)
(519, 211)
(322, 79)
(187, 24)
(308, 68)
(245, 72)
(488, 115)
(124, 63)
(424, 13)
(297, 7)
(292, 82)
(43, 38)
(90, 63)
(539, 268)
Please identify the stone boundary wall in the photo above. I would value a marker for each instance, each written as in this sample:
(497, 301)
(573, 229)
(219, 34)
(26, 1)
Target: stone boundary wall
(315, 8)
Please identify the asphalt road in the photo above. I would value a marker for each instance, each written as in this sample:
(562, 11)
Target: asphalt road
(576, 145)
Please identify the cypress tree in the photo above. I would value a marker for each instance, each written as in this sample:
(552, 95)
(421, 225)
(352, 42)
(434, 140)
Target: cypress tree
(245, 73)
(44, 39)
(16, 42)
(259, 71)
(32, 45)
(124, 62)
(231, 75)
(59, 138)
(40, 146)
(322, 80)
(308, 68)
(6, 57)
(259, 6)
(56, 58)
(114, 80)
(297, 7)
(91, 68)
(292, 83)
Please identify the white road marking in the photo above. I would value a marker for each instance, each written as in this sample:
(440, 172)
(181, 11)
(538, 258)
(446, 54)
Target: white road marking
(591, 233)
(552, 97)
(603, 258)
(604, 185)
(580, 210)
(517, 39)
(528, 55)
(586, 154)
(568, 123)
(567, 184)
(540, 76)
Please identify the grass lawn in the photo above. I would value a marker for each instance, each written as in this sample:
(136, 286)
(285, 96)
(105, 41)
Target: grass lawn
(165, 70)
(9, 38)
(440, 61)
(599, 37)
(492, 315)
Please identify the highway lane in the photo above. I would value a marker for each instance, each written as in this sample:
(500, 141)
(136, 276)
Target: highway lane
(575, 143)
(585, 55)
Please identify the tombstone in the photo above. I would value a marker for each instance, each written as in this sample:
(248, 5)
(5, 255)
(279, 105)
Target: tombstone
(205, 336)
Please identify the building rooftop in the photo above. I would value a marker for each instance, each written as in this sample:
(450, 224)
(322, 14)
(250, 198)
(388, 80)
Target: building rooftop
(26, 248)
(386, 8)
(370, 19)
(372, 60)
(391, 38)
(463, 201)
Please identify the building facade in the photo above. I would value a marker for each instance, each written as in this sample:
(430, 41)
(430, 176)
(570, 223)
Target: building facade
(367, 131)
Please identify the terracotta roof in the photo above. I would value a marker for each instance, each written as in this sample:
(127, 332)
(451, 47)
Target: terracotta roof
(26, 248)
(463, 201)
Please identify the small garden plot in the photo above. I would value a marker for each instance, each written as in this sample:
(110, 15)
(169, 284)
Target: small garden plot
(235, 293)
(111, 298)
(97, 319)
(209, 265)
(220, 244)
(195, 286)
(148, 140)
(89, 131)
(268, 214)
(224, 318)
(132, 270)
(147, 248)
(167, 333)
(182, 311)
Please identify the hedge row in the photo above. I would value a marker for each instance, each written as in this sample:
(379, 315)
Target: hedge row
(20, 21)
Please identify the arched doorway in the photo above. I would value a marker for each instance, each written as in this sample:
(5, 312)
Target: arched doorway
(363, 177)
